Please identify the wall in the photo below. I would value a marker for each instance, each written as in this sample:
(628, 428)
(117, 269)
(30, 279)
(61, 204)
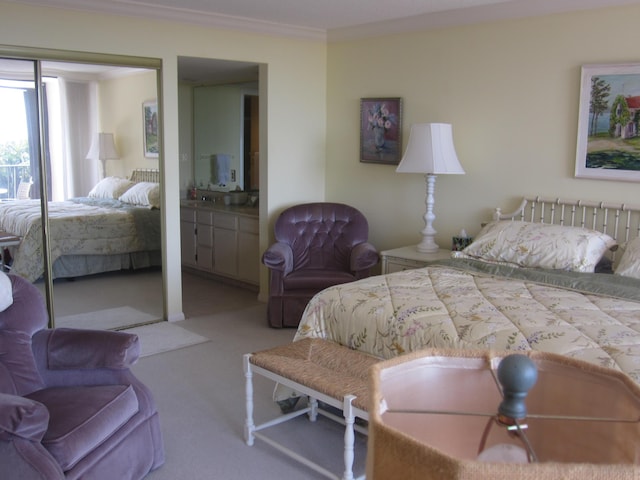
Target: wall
(120, 112)
(292, 102)
(511, 91)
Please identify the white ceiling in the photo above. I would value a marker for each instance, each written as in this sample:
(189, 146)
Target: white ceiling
(330, 19)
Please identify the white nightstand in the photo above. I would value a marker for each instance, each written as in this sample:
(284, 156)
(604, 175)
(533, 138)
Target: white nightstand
(406, 258)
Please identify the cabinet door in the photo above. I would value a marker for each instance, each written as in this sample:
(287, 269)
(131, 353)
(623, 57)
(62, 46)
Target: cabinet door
(225, 251)
(248, 251)
(205, 239)
(188, 236)
(188, 243)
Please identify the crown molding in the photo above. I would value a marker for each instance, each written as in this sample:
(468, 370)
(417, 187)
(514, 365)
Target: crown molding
(173, 14)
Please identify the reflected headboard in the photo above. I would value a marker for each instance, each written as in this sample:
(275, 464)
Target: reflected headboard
(145, 175)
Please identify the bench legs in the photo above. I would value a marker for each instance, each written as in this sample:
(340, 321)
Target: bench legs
(349, 414)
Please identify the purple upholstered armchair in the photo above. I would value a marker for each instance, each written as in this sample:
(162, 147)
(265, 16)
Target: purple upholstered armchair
(69, 406)
(317, 245)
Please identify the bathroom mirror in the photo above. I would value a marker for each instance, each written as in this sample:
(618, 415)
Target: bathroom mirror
(225, 122)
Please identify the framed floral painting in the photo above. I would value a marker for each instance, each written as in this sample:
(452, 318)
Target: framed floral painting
(150, 134)
(609, 123)
(380, 130)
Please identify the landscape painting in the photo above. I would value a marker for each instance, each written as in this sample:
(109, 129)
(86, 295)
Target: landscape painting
(608, 127)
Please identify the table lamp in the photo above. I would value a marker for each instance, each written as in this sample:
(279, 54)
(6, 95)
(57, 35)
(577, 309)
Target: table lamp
(103, 148)
(430, 151)
(459, 414)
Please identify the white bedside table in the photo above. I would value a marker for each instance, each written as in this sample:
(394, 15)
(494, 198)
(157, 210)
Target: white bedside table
(406, 258)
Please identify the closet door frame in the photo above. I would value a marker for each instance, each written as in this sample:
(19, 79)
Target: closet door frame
(37, 56)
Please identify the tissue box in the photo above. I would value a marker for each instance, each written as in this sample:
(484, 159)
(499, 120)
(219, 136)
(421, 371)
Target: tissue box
(460, 243)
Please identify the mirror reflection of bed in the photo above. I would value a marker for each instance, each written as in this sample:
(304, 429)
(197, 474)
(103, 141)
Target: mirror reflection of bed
(105, 275)
(105, 252)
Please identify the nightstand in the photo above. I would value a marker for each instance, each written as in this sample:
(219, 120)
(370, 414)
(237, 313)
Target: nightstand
(406, 258)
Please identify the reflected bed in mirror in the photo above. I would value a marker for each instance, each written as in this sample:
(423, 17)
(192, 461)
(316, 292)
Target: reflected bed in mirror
(116, 227)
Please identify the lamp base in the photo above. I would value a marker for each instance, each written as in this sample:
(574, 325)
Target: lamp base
(428, 245)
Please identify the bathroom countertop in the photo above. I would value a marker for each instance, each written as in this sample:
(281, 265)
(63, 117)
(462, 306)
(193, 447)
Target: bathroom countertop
(219, 206)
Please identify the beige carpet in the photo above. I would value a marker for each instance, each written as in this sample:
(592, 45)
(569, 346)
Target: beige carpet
(107, 319)
(163, 337)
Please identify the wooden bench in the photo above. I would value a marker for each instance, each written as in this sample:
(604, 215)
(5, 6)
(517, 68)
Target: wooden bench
(322, 371)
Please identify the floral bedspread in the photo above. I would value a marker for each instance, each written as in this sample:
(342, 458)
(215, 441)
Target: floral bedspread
(79, 226)
(584, 316)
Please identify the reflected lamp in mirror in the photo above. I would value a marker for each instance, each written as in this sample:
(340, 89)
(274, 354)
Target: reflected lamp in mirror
(103, 148)
(430, 151)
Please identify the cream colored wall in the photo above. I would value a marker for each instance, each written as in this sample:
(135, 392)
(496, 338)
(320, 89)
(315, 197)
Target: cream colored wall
(293, 102)
(120, 111)
(511, 91)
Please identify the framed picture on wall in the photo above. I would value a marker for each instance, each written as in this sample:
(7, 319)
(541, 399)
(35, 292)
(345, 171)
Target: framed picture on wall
(150, 133)
(609, 123)
(380, 130)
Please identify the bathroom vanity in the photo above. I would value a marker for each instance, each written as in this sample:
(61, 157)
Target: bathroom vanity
(221, 239)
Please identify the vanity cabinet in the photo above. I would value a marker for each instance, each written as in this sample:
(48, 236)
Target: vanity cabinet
(221, 242)
(188, 236)
(225, 240)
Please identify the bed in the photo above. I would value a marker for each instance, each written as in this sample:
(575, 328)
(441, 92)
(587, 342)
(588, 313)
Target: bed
(554, 275)
(117, 226)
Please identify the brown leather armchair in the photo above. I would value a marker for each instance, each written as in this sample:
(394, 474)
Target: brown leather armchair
(317, 245)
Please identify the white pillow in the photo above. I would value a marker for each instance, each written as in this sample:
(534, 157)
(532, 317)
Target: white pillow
(539, 245)
(110, 187)
(144, 194)
(629, 265)
(6, 292)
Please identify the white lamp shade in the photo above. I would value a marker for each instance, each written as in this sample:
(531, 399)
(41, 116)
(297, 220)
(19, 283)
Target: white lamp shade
(103, 147)
(430, 150)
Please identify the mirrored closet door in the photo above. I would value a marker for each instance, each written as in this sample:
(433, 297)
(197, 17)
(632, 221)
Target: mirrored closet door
(80, 185)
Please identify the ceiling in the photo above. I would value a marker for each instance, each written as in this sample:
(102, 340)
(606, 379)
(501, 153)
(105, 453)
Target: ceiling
(330, 19)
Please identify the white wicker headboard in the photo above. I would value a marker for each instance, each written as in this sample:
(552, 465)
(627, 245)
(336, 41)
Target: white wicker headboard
(619, 220)
(145, 175)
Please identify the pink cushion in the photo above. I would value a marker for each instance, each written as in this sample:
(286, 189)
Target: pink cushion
(81, 418)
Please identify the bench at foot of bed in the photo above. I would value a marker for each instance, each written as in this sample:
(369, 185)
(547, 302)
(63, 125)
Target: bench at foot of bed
(324, 372)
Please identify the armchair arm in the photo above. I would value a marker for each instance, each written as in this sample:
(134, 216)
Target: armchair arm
(75, 349)
(279, 256)
(363, 256)
(21, 417)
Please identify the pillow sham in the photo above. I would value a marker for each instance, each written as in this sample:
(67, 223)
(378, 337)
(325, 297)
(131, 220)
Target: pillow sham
(629, 264)
(143, 194)
(110, 187)
(539, 245)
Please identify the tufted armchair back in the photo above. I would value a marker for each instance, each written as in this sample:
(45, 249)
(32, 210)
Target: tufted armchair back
(317, 245)
(321, 235)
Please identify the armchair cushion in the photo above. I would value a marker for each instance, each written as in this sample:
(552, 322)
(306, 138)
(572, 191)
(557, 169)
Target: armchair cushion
(22, 417)
(81, 418)
(89, 349)
(315, 279)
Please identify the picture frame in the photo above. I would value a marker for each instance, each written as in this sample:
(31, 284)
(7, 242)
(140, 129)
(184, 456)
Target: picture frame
(150, 128)
(609, 123)
(381, 130)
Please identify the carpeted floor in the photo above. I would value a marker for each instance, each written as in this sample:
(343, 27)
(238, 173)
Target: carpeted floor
(201, 399)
